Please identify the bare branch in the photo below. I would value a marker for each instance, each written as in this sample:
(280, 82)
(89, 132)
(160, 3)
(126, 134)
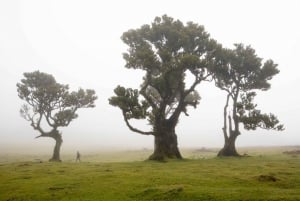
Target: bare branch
(225, 119)
(181, 105)
(230, 124)
(135, 129)
(145, 95)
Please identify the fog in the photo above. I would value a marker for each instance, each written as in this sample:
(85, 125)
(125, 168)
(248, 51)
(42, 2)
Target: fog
(78, 42)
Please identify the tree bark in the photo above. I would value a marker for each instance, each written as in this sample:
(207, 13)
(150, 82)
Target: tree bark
(56, 151)
(165, 145)
(229, 146)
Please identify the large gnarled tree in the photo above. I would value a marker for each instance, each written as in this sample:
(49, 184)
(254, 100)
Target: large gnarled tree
(168, 52)
(50, 103)
(240, 73)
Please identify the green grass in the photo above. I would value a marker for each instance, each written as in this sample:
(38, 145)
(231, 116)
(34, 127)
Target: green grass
(260, 177)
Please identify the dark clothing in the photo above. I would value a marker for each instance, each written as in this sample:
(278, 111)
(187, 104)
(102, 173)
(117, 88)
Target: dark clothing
(78, 157)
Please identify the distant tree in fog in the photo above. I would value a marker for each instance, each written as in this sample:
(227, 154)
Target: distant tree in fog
(240, 73)
(51, 105)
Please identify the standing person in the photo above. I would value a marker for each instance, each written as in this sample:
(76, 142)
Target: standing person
(78, 157)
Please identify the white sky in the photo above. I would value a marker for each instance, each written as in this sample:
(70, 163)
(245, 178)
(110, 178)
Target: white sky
(79, 43)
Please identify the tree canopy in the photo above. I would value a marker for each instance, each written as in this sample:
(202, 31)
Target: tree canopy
(51, 103)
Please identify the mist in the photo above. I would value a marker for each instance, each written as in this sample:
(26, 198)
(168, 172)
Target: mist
(79, 44)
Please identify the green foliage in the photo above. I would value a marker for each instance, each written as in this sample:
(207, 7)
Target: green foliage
(50, 100)
(166, 50)
(39, 90)
(242, 69)
(240, 72)
(127, 100)
(220, 179)
(252, 117)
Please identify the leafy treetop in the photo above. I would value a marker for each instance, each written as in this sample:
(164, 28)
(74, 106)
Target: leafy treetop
(168, 51)
(240, 73)
(50, 100)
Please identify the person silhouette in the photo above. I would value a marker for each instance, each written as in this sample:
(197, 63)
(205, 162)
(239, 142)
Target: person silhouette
(78, 157)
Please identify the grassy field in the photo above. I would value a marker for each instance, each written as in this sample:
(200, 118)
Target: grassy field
(266, 175)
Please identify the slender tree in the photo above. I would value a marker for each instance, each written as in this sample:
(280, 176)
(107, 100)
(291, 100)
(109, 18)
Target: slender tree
(50, 103)
(168, 52)
(240, 73)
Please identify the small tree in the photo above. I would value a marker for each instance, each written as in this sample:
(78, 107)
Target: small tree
(167, 50)
(239, 73)
(51, 103)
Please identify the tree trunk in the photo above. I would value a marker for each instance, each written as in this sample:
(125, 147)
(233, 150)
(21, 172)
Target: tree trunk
(165, 145)
(229, 147)
(56, 151)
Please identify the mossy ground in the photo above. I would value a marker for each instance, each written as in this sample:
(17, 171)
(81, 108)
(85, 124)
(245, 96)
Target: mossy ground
(260, 177)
